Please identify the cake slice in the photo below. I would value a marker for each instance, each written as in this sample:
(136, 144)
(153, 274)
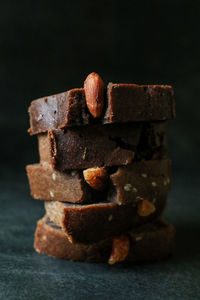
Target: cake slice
(124, 103)
(140, 180)
(57, 111)
(102, 146)
(132, 102)
(150, 180)
(48, 184)
(147, 242)
(94, 222)
(89, 146)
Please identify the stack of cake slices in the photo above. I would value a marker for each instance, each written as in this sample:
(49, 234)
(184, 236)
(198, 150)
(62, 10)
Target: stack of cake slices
(103, 173)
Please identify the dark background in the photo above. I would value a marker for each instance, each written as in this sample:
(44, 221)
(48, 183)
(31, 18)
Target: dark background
(50, 46)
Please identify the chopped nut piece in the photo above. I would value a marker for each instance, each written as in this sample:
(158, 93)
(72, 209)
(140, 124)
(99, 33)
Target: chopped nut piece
(128, 187)
(134, 190)
(120, 249)
(144, 175)
(154, 184)
(84, 153)
(44, 237)
(168, 180)
(139, 238)
(138, 198)
(96, 177)
(53, 176)
(145, 208)
(154, 200)
(51, 194)
(110, 218)
(165, 182)
(40, 117)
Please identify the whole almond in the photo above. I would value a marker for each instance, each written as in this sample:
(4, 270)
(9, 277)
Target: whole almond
(94, 94)
(120, 249)
(96, 177)
(145, 208)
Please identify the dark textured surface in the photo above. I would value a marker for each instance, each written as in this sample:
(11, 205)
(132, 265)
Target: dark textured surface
(25, 274)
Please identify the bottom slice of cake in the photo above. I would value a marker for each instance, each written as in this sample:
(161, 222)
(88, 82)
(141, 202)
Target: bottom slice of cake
(151, 241)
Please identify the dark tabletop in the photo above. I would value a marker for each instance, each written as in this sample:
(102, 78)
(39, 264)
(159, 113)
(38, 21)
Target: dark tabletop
(24, 274)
